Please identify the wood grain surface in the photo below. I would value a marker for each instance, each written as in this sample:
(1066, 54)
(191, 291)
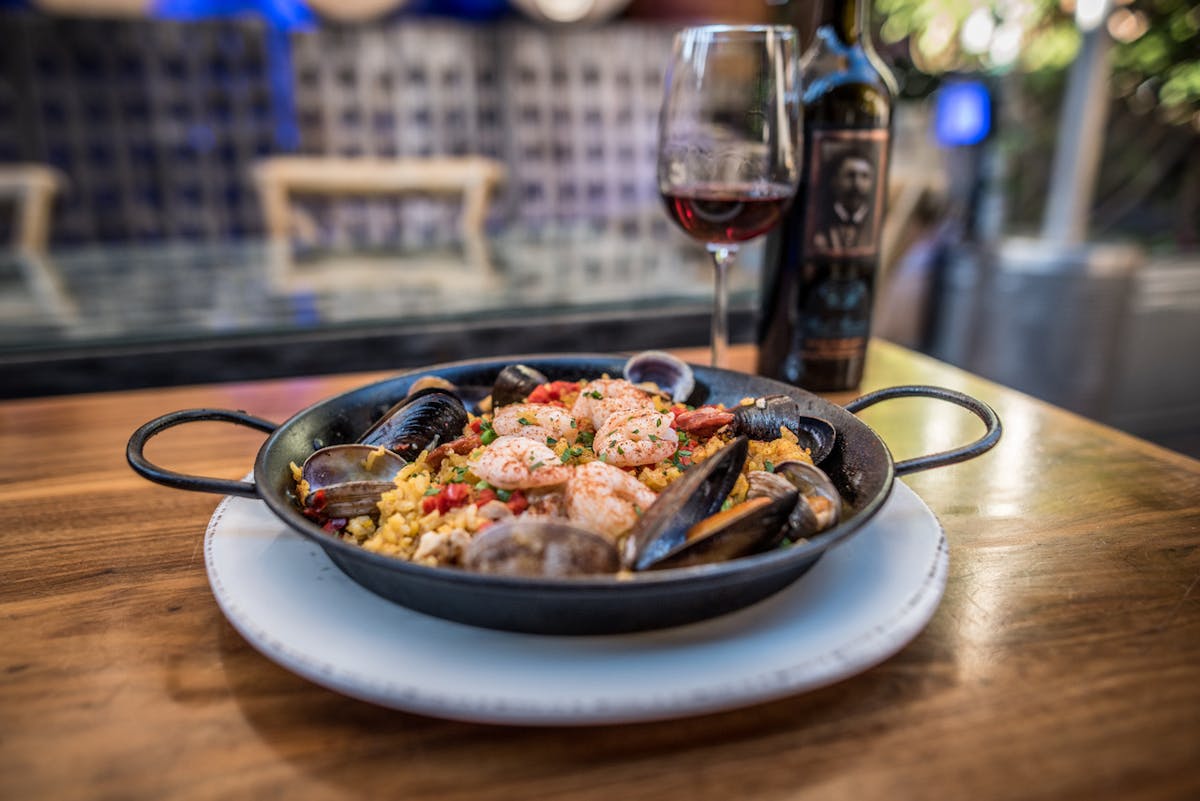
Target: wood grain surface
(1063, 662)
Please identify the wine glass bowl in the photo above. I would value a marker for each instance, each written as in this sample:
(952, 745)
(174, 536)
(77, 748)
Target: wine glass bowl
(729, 140)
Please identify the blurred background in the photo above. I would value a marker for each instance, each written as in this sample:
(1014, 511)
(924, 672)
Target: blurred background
(198, 190)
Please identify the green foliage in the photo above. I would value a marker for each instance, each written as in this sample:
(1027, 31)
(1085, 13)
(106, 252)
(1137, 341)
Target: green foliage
(1156, 55)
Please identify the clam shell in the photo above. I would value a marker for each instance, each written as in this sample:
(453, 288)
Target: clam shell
(673, 376)
(538, 547)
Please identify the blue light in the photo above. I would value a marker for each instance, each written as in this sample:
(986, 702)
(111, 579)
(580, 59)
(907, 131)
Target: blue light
(282, 14)
(963, 114)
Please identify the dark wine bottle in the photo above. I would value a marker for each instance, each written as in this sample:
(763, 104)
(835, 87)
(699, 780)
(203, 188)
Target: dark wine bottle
(820, 263)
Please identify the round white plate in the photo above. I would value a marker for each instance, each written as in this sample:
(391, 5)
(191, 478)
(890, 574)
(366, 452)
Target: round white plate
(860, 604)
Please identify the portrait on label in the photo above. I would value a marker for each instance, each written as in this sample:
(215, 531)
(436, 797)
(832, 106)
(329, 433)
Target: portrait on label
(846, 199)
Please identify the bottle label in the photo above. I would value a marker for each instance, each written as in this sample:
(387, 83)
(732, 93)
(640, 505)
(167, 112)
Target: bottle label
(845, 192)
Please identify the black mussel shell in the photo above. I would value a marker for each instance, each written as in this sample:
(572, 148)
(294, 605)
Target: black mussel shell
(762, 419)
(751, 527)
(514, 383)
(545, 548)
(697, 494)
(420, 421)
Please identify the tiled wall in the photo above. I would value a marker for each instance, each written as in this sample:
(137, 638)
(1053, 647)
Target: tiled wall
(157, 124)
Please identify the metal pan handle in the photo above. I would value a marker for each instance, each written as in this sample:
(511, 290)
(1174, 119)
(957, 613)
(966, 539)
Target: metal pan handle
(134, 451)
(980, 409)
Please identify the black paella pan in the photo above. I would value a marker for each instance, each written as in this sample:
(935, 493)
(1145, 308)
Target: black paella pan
(860, 465)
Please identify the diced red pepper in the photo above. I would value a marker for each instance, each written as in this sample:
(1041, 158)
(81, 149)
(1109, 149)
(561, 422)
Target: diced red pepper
(476, 425)
(554, 391)
(446, 498)
(517, 502)
(485, 495)
(457, 494)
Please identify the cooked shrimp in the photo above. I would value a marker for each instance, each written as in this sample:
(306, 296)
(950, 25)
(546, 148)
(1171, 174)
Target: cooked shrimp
(511, 463)
(636, 438)
(606, 499)
(600, 399)
(539, 421)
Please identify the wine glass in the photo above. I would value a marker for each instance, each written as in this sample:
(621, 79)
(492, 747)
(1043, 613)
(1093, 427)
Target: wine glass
(729, 141)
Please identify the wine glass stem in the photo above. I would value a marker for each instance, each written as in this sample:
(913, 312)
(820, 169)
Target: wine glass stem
(723, 256)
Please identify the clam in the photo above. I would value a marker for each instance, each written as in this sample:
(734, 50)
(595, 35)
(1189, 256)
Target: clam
(347, 480)
(540, 547)
(669, 374)
(514, 383)
(420, 421)
(819, 504)
(763, 418)
(694, 496)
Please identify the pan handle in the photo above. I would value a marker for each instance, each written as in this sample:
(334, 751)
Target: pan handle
(981, 410)
(221, 486)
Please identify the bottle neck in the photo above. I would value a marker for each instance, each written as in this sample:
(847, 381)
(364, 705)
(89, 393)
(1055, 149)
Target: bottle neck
(846, 18)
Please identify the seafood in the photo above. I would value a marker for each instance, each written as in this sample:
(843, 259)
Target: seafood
(606, 499)
(418, 422)
(538, 421)
(698, 494)
(347, 480)
(514, 383)
(762, 419)
(600, 399)
(669, 374)
(818, 507)
(574, 477)
(512, 463)
(751, 527)
(636, 438)
(524, 547)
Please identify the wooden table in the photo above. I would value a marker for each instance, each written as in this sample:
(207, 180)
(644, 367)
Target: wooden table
(1063, 662)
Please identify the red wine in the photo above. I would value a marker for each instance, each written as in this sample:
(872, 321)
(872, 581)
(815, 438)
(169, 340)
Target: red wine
(724, 213)
(820, 265)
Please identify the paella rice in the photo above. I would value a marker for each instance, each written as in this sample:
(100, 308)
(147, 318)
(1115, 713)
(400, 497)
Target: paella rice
(438, 502)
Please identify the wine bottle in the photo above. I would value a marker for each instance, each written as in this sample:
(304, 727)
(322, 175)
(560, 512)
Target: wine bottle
(820, 264)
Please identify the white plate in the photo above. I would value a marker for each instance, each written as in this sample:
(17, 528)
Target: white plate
(860, 604)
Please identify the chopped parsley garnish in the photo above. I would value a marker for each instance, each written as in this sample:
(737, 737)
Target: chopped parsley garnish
(536, 465)
(595, 394)
(434, 490)
(769, 466)
(503, 495)
(523, 421)
(551, 441)
(586, 437)
(727, 504)
(487, 434)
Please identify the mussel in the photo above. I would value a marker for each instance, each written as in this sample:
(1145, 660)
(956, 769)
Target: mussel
(819, 504)
(762, 420)
(420, 421)
(695, 495)
(671, 375)
(347, 480)
(540, 547)
(514, 383)
(751, 527)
